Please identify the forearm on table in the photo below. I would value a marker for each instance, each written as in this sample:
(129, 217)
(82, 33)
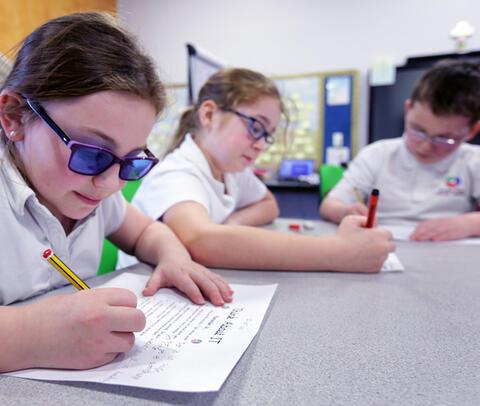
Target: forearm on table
(157, 240)
(333, 210)
(473, 219)
(243, 247)
(262, 212)
(15, 350)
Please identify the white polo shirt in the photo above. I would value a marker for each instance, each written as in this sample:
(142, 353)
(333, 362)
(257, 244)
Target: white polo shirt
(28, 228)
(184, 175)
(410, 190)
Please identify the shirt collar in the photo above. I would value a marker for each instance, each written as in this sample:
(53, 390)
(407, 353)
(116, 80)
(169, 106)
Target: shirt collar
(16, 188)
(192, 152)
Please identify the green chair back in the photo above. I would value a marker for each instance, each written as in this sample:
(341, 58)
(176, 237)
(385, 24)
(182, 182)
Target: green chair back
(329, 177)
(108, 260)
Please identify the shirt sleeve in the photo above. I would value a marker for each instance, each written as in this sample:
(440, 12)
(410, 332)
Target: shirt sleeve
(162, 191)
(250, 188)
(113, 209)
(474, 169)
(361, 174)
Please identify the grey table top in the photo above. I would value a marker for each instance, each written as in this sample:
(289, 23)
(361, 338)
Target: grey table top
(408, 338)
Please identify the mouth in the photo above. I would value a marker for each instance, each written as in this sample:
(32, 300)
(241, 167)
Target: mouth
(88, 199)
(248, 159)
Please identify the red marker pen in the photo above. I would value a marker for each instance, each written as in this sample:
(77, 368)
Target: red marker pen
(372, 208)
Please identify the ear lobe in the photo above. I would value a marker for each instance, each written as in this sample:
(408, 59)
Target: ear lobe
(14, 135)
(10, 115)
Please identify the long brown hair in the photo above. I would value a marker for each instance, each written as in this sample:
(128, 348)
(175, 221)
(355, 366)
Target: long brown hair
(228, 88)
(77, 55)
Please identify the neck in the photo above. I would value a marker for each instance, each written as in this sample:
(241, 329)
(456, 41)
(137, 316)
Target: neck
(214, 167)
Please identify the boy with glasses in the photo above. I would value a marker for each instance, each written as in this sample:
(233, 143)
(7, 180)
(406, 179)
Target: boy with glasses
(429, 176)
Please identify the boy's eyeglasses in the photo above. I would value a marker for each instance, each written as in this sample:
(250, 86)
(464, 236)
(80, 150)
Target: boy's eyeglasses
(439, 141)
(86, 159)
(255, 127)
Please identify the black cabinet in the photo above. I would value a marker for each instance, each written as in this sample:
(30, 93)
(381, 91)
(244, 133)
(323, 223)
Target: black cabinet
(296, 199)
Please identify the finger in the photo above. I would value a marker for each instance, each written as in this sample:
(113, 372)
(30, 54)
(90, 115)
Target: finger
(156, 281)
(352, 221)
(208, 287)
(125, 319)
(225, 288)
(120, 342)
(185, 284)
(446, 235)
(114, 296)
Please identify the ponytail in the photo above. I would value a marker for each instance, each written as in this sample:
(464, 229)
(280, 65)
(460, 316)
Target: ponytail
(186, 125)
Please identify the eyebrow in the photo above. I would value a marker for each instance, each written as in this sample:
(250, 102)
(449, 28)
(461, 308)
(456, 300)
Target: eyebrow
(109, 139)
(264, 120)
(100, 134)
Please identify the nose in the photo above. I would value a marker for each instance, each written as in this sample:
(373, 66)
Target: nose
(109, 180)
(426, 144)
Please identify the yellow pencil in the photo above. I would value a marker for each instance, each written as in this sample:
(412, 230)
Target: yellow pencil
(58, 264)
(358, 195)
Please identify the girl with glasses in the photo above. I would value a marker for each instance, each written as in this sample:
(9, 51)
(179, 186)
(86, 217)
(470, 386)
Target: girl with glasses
(430, 177)
(75, 113)
(205, 190)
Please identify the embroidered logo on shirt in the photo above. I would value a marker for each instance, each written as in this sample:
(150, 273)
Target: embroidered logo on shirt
(452, 186)
(452, 181)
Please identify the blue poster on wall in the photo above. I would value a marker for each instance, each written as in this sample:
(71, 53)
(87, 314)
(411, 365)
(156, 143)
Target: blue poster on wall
(338, 106)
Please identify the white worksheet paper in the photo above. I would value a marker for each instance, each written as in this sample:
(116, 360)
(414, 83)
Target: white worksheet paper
(392, 264)
(184, 347)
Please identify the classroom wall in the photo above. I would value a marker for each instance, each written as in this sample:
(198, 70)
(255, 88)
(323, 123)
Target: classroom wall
(280, 37)
(19, 17)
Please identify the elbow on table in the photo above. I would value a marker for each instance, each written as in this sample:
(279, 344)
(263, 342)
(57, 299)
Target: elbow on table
(204, 249)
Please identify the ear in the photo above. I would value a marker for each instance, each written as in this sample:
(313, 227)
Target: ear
(10, 116)
(407, 105)
(474, 130)
(206, 111)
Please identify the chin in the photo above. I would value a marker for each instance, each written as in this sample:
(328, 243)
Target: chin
(430, 160)
(79, 214)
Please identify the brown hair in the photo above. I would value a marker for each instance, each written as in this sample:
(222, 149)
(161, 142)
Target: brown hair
(77, 55)
(228, 88)
(451, 87)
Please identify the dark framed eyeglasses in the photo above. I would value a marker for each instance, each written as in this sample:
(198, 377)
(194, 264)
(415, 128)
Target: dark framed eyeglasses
(439, 141)
(256, 129)
(91, 160)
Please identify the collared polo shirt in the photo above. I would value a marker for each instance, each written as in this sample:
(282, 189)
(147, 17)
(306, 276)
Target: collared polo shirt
(28, 228)
(185, 175)
(409, 189)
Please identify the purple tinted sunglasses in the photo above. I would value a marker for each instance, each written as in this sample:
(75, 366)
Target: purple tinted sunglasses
(91, 160)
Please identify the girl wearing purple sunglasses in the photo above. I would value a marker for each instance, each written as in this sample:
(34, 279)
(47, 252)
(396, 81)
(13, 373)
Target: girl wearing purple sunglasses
(75, 113)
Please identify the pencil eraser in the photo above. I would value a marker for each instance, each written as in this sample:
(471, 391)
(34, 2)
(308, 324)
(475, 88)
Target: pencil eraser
(294, 227)
(47, 253)
(308, 225)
